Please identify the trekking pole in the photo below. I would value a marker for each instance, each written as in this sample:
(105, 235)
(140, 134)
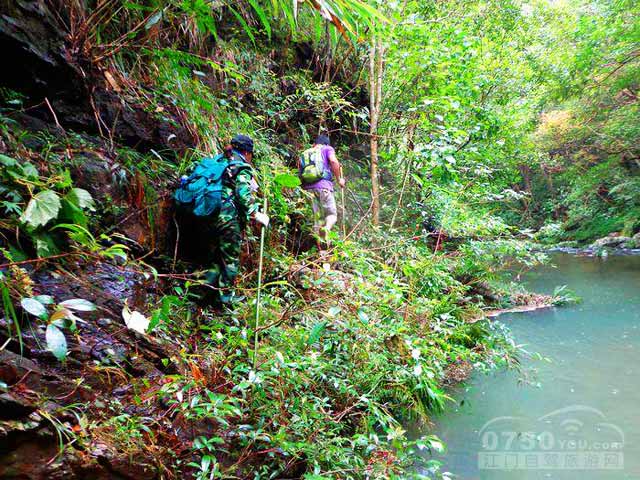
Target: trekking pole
(259, 295)
(344, 224)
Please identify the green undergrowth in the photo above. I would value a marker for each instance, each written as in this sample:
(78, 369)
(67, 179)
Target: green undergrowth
(349, 348)
(347, 356)
(352, 348)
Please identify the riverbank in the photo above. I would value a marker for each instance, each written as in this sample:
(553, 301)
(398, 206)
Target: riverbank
(594, 252)
(614, 243)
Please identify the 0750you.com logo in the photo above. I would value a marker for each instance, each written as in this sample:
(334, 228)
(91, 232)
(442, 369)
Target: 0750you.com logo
(572, 438)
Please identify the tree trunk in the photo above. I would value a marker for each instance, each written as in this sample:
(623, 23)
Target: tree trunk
(376, 65)
(411, 130)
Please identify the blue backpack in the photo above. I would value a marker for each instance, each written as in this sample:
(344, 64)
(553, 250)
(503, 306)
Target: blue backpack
(201, 192)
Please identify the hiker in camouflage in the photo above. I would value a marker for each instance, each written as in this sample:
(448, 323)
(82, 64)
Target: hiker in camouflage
(239, 206)
(236, 206)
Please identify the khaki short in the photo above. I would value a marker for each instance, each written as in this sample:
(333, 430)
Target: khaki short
(323, 203)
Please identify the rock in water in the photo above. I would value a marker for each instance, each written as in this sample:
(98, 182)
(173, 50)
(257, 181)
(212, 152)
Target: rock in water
(613, 240)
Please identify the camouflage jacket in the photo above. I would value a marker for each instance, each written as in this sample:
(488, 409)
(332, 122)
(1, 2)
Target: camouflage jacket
(239, 191)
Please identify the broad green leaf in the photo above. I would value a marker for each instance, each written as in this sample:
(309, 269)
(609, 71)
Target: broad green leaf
(64, 181)
(71, 213)
(81, 198)
(56, 343)
(44, 299)
(287, 180)
(8, 161)
(316, 332)
(45, 245)
(42, 208)
(34, 307)
(30, 171)
(155, 320)
(78, 304)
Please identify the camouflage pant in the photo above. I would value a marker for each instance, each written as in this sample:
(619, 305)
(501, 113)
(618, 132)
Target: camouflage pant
(224, 237)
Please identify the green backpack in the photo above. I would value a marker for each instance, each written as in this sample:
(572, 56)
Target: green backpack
(201, 192)
(312, 166)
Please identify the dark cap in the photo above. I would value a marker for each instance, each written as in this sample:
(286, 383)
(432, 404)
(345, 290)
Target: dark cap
(323, 140)
(243, 143)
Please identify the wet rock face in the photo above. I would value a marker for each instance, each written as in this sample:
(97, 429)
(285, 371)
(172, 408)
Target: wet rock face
(44, 65)
(40, 388)
(34, 45)
(105, 180)
(13, 407)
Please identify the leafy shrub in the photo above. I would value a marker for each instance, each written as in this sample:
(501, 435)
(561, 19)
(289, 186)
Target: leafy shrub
(36, 205)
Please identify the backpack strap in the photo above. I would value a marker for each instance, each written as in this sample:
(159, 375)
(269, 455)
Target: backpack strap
(236, 165)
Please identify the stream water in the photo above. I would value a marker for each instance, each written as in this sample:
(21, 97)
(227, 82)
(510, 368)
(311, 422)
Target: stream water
(583, 419)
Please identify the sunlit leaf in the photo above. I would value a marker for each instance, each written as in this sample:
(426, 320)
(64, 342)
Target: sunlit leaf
(287, 180)
(78, 304)
(44, 299)
(135, 320)
(153, 20)
(56, 343)
(42, 208)
(34, 307)
(81, 198)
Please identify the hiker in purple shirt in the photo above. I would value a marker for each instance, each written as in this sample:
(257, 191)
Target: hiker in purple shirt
(318, 168)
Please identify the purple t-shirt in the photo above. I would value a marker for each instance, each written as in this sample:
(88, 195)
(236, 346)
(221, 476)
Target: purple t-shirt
(323, 182)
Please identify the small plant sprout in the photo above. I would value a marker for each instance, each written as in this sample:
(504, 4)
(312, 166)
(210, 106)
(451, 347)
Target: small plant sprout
(58, 317)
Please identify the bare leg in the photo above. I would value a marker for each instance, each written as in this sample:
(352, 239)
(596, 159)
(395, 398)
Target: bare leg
(330, 221)
(328, 202)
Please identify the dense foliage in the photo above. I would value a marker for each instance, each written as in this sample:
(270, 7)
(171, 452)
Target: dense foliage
(462, 126)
